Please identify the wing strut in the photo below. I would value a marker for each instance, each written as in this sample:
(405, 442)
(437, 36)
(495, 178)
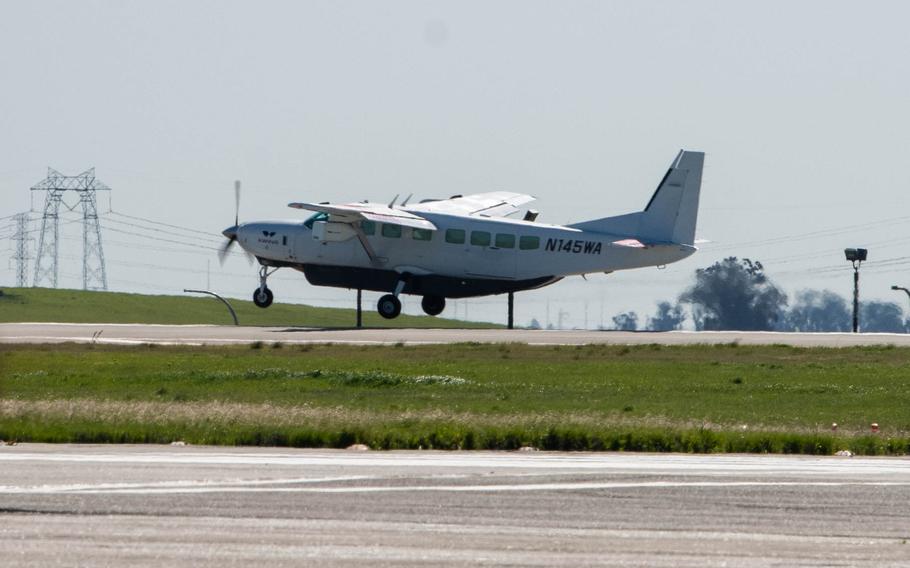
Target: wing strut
(367, 248)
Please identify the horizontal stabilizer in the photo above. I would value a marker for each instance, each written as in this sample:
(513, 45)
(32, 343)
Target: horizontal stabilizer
(630, 243)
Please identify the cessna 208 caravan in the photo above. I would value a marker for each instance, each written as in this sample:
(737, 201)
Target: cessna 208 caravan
(467, 245)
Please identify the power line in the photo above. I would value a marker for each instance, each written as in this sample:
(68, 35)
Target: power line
(156, 230)
(809, 235)
(188, 229)
(162, 239)
(145, 246)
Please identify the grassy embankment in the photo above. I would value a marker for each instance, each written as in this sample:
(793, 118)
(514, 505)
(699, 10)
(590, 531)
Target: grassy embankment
(649, 398)
(77, 306)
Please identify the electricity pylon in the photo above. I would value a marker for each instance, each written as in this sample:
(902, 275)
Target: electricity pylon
(21, 257)
(94, 275)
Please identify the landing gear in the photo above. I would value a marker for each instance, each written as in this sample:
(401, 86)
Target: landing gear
(262, 296)
(433, 305)
(389, 306)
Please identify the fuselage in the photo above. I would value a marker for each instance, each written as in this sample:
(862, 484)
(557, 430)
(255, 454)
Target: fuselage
(465, 256)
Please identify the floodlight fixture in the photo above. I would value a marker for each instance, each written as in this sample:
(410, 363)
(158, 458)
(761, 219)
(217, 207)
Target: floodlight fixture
(856, 254)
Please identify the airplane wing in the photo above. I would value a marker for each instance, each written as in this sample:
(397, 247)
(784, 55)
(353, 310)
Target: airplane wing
(492, 204)
(354, 212)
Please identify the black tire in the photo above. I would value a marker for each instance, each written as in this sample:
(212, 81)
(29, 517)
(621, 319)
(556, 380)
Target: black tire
(433, 305)
(263, 298)
(389, 306)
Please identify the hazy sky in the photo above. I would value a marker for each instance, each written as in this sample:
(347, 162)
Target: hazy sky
(803, 109)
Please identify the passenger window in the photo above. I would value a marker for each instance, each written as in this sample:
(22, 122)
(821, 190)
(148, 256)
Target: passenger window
(455, 236)
(505, 241)
(422, 234)
(391, 231)
(369, 227)
(480, 238)
(529, 243)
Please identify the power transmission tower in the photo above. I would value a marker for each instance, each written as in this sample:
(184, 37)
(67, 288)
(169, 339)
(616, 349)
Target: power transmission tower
(94, 275)
(21, 257)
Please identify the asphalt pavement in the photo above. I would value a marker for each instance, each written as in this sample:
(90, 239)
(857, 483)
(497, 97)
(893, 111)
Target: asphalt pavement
(72, 505)
(128, 334)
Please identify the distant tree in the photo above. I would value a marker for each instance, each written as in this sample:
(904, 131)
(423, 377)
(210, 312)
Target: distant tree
(883, 317)
(534, 324)
(627, 321)
(817, 310)
(734, 294)
(667, 318)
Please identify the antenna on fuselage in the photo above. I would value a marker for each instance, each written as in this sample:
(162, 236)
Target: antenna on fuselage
(394, 199)
(406, 199)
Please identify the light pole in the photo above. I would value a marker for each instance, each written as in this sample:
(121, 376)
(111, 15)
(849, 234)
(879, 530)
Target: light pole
(223, 301)
(856, 256)
(901, 288)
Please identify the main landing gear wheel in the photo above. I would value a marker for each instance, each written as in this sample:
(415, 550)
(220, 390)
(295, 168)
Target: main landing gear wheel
(389, 306)
(263, 297)
(433, 305)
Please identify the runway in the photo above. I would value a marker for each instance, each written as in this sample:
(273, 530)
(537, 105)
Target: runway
(131, 334)
(203, 506)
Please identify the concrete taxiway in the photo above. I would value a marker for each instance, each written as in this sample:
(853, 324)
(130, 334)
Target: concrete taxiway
(202, 506)
(225, 335)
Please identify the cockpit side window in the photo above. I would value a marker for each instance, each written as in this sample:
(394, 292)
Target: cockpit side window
(317, 217)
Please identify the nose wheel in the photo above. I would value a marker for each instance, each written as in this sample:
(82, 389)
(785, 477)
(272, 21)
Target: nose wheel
(262, 296)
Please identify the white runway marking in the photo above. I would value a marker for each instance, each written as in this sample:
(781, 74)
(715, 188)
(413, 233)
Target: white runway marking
(255, 487)
(200, 341)
(132, 334)
(168, 485)
(608, 462)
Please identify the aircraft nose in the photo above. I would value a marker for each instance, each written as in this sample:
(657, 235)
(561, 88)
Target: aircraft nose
(230, 232)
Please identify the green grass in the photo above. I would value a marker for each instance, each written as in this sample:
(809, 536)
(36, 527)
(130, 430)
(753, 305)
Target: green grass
(77, 306)
(650, 398)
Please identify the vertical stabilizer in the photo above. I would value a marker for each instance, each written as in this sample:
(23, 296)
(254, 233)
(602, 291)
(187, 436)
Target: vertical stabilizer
(672, 212)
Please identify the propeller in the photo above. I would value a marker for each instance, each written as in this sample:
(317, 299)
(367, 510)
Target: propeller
(236, 202)
(231, 232)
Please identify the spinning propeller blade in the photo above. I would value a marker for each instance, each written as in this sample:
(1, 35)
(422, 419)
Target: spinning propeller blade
(225, 249)
(231, 233)
(236, 202)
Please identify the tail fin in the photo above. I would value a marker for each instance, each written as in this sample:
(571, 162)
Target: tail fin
(671, 213)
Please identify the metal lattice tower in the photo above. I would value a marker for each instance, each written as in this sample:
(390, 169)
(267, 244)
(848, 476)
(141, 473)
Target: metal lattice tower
(94, 275)
(21, 257)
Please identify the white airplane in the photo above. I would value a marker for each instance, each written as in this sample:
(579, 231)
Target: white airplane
(466, 246)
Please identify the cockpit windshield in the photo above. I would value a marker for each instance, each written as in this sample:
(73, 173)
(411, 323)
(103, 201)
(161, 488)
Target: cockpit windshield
(317, 217)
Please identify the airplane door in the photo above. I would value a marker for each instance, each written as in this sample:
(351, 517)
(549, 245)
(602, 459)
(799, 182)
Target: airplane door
(491, 255)
(318, 248)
